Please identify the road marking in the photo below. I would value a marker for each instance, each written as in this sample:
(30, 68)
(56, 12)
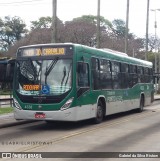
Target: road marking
(92, 129)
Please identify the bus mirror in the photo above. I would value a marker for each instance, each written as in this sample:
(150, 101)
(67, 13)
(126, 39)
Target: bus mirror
(8, 71)
(82, 58)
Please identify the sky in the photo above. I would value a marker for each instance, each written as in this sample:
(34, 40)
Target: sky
(31, 10)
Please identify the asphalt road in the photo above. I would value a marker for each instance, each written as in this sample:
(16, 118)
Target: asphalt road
(125, 132)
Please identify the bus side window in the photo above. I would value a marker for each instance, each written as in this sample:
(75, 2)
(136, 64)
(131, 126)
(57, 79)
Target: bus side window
(150, 75)
(140, 74)
(95, 73)
(83, 75)
(115, 74)
(146, 75)
(124, 75)
(105, 74)
(133, 77)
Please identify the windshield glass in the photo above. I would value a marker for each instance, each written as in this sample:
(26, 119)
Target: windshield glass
(44, 77)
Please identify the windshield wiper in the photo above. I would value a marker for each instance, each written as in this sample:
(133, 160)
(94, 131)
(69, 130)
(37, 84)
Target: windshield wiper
(33, 68)
(49, 68)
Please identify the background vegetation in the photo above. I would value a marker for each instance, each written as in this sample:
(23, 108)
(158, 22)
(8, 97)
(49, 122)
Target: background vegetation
(82, 30)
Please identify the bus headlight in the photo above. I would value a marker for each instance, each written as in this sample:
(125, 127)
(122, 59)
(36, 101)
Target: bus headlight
(67, 104)
(16, 104)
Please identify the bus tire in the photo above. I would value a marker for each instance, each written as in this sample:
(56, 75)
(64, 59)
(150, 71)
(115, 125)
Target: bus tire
(99, 113)
(141, 104)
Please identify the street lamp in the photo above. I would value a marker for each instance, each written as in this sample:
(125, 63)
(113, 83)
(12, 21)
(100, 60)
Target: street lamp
(155, 23)
(155, 26)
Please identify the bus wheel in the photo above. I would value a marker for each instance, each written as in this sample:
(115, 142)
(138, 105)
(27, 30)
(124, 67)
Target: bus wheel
(141, 105)
(100, 113)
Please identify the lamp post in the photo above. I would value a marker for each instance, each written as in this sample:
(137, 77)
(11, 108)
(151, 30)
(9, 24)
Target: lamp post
(155, 26)
(126, 34)
(147, 22)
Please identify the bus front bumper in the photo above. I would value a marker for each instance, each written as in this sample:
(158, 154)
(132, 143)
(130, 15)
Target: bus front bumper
(66, 115)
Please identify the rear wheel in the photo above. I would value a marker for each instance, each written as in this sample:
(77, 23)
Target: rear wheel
(100, 113)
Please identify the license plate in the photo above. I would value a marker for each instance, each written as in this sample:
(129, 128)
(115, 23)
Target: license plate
(40, 115)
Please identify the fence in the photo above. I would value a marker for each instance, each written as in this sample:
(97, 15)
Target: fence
(6, 102)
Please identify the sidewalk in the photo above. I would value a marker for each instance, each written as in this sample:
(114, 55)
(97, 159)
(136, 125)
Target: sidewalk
(8, 120)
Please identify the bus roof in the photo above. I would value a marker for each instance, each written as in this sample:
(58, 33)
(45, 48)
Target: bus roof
(116, 56)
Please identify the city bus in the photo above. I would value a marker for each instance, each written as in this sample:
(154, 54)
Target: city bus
(73, 82)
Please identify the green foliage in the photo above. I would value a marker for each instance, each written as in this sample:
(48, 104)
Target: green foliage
(12, 29)
(6, 110)
(42, 22)
(80, 30)
(151, 57)
(119, 27)
(93, 19)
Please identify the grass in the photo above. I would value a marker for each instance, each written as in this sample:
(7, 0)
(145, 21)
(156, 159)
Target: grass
(6, 110)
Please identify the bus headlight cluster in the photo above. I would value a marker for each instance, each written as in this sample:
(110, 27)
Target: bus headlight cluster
(16, 104)
(67, 104)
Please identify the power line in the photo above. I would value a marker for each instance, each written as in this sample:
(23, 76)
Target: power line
(20, 2)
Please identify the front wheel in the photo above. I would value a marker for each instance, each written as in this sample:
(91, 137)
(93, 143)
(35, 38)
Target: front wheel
(100, 113)
(141, 105)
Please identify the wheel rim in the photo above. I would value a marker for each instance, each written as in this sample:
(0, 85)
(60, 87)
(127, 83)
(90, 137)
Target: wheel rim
(99, 112)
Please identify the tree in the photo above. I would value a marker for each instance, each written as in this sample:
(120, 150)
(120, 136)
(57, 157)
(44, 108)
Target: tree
(119, 27)
(42, 22)
(83, 29)
(80, 31)
(46, 23)
(12, 29)
(104, 23)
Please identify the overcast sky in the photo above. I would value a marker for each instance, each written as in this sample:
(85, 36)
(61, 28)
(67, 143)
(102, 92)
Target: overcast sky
(30, 10)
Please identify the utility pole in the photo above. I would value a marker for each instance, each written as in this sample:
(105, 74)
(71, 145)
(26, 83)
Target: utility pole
(98, 24)
(147, 22)
(156, 56)
(126, 34)
(54, 21)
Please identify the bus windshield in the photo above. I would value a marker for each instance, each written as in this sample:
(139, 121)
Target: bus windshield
(43, 77)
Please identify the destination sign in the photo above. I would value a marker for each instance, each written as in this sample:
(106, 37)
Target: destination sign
(47, 51)
(28, 87)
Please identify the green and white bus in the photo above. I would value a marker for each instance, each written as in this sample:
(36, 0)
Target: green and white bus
(72, 82)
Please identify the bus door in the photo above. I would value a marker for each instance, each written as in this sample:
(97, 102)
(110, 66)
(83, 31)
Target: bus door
(83, 87)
